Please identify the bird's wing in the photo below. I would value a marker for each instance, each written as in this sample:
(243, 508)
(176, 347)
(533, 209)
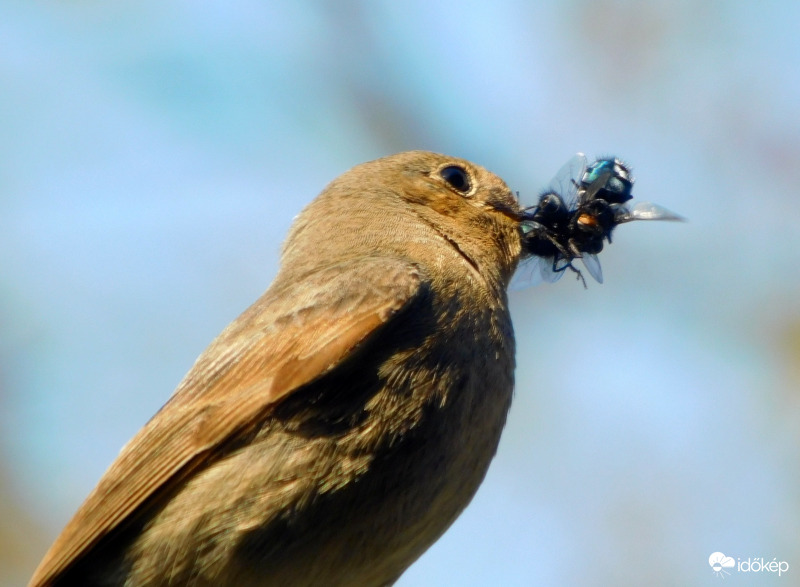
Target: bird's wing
(287, 339)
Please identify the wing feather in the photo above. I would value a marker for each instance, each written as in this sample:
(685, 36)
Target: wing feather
(292, 335)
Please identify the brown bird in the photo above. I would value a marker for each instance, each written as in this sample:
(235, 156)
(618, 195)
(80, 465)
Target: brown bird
(337, 427)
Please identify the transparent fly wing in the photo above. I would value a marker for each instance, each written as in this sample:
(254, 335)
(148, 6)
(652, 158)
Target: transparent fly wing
(549, 274)
(533, 271)
(592, 264)
(526, 275)
(645, 211)
(566, 182)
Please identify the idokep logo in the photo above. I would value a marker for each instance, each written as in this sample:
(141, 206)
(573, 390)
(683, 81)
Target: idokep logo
(720, 564)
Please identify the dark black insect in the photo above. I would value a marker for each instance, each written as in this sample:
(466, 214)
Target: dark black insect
(576, 215)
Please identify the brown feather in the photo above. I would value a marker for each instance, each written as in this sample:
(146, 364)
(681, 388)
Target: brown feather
(228, 390)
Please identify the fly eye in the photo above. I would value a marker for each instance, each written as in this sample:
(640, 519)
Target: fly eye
(457, 177)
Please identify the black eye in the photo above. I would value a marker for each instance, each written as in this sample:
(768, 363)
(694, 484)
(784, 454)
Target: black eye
(457, 177)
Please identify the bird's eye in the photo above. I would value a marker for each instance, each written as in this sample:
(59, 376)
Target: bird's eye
(457, 177)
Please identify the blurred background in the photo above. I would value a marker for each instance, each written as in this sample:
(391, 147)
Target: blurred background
(153, 155)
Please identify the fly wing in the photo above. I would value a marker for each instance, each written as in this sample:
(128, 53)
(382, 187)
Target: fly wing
(526, 275)
(592, 264)
(291, 336)
(567, 180)
(645, 211)
(548, 272)
(533, 271)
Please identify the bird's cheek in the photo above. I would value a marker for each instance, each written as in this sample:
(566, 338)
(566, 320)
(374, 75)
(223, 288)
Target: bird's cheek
(444, 203)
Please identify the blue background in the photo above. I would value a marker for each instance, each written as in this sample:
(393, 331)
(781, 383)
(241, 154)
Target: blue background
(153, 155)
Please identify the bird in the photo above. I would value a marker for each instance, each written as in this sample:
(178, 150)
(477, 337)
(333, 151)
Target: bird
(335, 429)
